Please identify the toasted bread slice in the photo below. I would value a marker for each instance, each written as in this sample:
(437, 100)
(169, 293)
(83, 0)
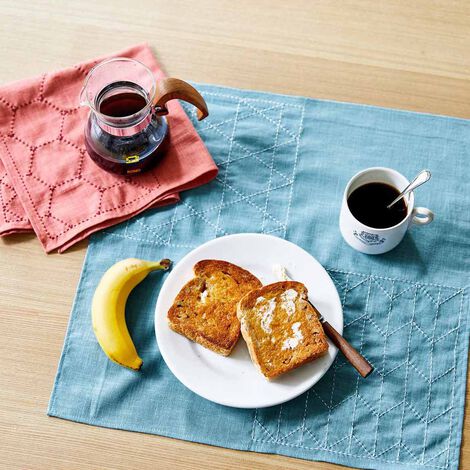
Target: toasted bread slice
(281, 328)
(205, 310)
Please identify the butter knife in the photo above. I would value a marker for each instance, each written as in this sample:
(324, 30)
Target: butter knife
(356, 359)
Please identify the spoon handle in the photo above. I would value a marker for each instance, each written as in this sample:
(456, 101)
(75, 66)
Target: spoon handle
(422, 177)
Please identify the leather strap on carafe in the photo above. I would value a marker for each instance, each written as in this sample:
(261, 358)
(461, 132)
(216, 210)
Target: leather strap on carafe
(174, 88)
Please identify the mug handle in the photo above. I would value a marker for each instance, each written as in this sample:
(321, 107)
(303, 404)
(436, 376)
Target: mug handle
(174, 88)
(422, 216)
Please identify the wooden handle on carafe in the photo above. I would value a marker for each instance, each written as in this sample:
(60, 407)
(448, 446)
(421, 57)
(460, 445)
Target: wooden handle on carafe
(357, 360)
(174, 88)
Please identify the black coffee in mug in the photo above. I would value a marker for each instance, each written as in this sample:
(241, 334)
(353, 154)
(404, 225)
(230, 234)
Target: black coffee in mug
(368, 204)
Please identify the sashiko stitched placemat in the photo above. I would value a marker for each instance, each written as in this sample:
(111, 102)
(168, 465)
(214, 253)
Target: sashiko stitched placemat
(284, 163)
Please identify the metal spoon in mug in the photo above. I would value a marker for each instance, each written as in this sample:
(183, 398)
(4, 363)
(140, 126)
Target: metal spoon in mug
(422, 177)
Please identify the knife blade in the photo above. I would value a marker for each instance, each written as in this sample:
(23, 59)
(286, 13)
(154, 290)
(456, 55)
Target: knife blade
(357, 360)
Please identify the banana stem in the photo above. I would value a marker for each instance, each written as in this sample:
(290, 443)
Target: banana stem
(162, 264)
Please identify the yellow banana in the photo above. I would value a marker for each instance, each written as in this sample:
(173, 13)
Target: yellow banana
(109, 305)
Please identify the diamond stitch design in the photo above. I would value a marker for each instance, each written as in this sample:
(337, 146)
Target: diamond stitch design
(393, 417)
(386, 398)
(267, 205)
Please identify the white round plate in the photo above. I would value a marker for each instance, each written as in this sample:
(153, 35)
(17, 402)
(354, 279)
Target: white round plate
(234, 380)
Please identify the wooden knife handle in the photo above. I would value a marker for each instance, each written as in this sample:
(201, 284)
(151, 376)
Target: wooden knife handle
(356, 359)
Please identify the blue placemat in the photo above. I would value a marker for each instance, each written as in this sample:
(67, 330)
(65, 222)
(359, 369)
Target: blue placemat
(284, 162)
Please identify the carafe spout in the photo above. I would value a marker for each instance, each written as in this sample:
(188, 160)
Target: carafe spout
(82, 97)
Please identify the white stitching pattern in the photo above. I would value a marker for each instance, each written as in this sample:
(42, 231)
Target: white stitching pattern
(224, 186)
(454, 379)
(430, 375)
(384, 355)
(360, 350)
(273, 154)
(275, 427)
(400, 449)
(296, 158)
(246, 99)
(277, 215)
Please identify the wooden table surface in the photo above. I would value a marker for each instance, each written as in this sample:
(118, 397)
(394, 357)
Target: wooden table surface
(395, 53)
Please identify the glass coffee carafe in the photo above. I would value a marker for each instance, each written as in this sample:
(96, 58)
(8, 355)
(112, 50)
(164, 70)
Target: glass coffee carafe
(127, 131)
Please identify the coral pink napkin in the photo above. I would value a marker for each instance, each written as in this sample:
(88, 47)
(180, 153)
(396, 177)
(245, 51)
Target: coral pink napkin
(49, 184)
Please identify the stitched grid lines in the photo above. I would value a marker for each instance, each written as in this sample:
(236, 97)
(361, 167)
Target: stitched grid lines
(343, 303)
(276, 162)
(381, 312)
(224, 182)
(295, 166)
(430, 375)
(209, 210)
(191, 111)
(360, 350)
(172, 224)
(260, 152)
(304, 416)
(276, 139)
(249, 201)
(246, 99)
(453, 381)
(244, 149)
(384, 354)
(358, 291)
(407, 281)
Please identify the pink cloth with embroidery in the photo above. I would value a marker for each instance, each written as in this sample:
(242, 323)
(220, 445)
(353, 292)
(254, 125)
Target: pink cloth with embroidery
(49, 184)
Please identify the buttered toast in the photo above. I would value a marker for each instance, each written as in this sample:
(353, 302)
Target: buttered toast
(205, 309)
(281, 328)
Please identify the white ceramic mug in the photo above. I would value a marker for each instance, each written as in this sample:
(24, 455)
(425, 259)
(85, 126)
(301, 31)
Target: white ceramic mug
(374, 241)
